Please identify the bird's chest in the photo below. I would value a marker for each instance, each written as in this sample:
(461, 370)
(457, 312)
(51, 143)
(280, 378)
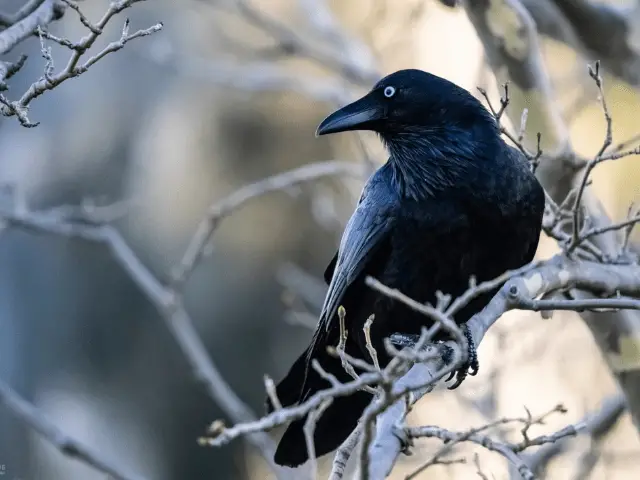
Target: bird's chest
(428, 255)
(422, 257)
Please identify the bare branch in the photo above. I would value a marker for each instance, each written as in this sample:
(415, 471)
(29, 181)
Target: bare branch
(342, 343)
(594, 72)
(27, 9)
(9, 69)
(508, 450)
(237, 199)
(434, 314)
(511, 44)
(309, 429)
(73, 68)
(593, 29)
(367, 336)
(270, 388)
(48, 11)
(225, 435)
(558, 273)
(85, 21)
(452, 439)
(354, 68)
(341, 458)
(67, 445)
(595, 424)
(166, 302)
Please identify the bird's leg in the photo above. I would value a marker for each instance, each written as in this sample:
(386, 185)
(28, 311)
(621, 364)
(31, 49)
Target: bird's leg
(471, 366)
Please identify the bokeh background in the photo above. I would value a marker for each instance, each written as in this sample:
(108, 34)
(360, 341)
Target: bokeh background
(154, 126)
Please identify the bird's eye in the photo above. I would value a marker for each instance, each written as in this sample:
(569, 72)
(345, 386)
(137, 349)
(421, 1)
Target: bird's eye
(389, 91)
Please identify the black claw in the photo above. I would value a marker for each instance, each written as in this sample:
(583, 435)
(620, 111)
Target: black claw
(460, 374)
(471, 366)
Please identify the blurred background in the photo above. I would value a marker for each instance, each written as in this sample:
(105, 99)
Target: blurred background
(180, 119)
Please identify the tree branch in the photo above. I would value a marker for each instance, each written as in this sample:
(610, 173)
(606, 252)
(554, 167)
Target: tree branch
(558, 273)
(44, 14)
(596, 424)
(222, 209)
(594, 29)
(67, 445)
(511, 44)
(89, 225)
(74, 68)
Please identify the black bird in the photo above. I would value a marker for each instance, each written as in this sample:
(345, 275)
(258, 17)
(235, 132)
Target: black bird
(452, 201)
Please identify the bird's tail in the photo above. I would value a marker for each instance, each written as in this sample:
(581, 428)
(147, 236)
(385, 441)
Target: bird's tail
(335, 424)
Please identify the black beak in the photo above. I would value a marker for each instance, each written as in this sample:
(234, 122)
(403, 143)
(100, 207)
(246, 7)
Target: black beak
(363, 114)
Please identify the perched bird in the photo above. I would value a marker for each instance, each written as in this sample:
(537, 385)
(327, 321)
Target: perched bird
(452, 201)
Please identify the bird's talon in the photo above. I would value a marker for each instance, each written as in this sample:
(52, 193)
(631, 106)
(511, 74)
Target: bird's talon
(460, 374)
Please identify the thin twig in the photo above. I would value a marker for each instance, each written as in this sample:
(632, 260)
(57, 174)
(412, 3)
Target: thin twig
(594, 73)
(367, 337)
(73, 68)
(342, 343)
(309, 430)
(237, 199)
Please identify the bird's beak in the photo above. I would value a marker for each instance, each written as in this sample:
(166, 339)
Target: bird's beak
(362, 114)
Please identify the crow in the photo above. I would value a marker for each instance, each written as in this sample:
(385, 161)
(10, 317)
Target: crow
(453, 201)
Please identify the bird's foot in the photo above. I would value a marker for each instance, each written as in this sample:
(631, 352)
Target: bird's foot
(404, 340)
(471, 366)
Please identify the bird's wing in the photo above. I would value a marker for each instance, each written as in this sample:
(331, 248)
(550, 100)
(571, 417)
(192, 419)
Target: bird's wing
(366, 230)
(328, 273)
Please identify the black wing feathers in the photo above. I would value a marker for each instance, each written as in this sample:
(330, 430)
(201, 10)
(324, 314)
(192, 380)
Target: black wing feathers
(366, 230)
(328, 273)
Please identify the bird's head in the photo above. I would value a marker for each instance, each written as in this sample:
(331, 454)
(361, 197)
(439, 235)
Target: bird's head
(411, 104)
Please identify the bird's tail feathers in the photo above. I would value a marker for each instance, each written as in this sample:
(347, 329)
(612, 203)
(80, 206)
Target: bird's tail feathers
(335, 424)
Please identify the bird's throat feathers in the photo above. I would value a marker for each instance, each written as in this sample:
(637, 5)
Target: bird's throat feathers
(423, 163)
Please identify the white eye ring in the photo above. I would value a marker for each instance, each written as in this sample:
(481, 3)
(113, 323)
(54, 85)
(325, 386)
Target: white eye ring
(389, 91)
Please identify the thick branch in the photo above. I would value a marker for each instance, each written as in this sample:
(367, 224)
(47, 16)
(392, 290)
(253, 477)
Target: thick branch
(6, 20)
(558, 273)
(48, 11)
(595, 29)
